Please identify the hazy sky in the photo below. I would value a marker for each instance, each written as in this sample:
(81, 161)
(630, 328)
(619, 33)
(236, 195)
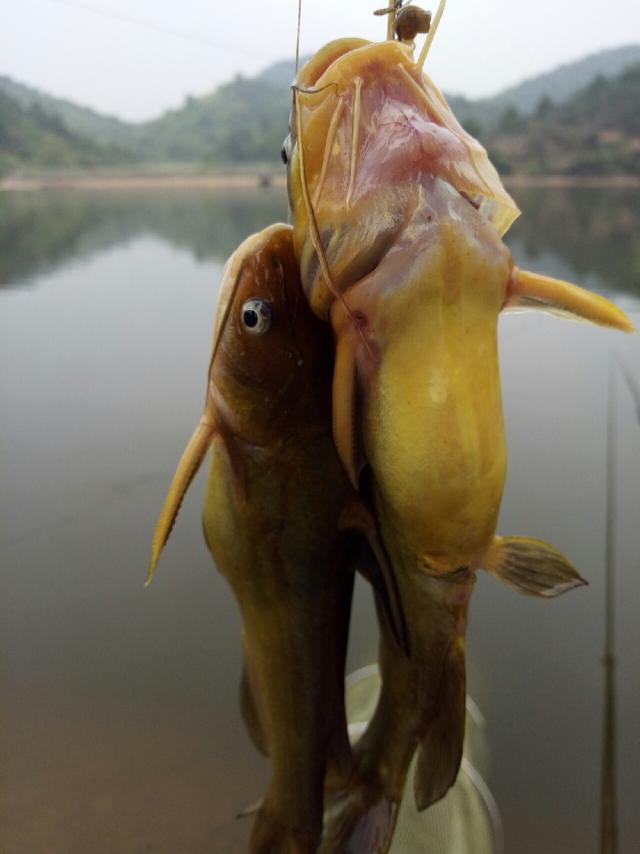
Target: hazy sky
(119, 56)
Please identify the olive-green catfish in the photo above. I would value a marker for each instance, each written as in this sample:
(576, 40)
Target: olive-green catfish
(279, 519)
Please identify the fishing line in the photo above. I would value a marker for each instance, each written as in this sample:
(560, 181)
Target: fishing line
(608, 792)
(148, 24)
(298, 36)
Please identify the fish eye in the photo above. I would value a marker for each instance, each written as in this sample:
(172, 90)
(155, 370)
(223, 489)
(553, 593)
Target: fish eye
(285, 152)
(256, 316)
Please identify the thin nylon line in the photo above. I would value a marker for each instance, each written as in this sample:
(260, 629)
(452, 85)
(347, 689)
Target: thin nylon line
(298, 36)
(148, 24)
(608, 795)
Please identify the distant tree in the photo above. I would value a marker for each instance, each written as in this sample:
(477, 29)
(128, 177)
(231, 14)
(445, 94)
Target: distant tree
(545, 107)
(510, 120)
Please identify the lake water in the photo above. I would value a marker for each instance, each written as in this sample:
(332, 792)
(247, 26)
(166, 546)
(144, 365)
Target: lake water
(120, 731)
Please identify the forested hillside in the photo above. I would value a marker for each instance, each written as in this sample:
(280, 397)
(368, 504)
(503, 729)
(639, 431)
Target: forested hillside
(578, 119)
(29, 137)
(595, 132)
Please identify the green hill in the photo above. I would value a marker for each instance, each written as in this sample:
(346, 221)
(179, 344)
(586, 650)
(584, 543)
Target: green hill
(30, 136)
(245, 121)
(559, 84)
(105, 130)
(595, 132)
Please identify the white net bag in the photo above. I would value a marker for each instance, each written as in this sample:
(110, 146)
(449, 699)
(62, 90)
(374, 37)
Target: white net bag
(466, 820)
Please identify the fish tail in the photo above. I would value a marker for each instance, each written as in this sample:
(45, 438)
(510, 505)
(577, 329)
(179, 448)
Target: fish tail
(440, 750)
(271, 836)
(354, 825)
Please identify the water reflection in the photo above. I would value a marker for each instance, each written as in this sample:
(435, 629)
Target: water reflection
(593, 232)
(40, 231)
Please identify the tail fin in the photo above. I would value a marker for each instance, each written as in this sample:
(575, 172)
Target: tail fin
(269, 836)
(353, 827)
(440, 751)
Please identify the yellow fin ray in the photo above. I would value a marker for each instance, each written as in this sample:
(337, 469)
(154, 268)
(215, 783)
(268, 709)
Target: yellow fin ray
(531, 566)
(188, 466)
(533, 290)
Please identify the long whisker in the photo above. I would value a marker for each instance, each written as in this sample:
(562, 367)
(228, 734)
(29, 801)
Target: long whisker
(313, 227)
(331, 135)
(298, 36)
(313, 224)
(355, 132)
(429, 39)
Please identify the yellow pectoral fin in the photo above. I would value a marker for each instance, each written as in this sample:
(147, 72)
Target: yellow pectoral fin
(188, 466)
(532, 567)
(532, 290)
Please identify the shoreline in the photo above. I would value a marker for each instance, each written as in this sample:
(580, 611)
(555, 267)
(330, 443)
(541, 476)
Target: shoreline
(255, 180)
(143, 181)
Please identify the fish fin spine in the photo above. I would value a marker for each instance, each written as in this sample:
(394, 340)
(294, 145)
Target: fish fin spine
(187, 469)
(533, 290)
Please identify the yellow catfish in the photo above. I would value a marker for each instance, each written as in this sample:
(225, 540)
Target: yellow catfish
(285, 528)
(398, 217)
(397, 222)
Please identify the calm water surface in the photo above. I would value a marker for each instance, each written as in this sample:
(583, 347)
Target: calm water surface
(120, 731)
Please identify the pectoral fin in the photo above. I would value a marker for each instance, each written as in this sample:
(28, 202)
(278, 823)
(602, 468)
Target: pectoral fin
(440, 751)
(532, 290)
(373, 564)
(531, 566)
(188, 466)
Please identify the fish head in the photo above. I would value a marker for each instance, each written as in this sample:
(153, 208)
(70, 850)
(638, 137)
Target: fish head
(272, 359)
(270, 369)
(367, 127)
